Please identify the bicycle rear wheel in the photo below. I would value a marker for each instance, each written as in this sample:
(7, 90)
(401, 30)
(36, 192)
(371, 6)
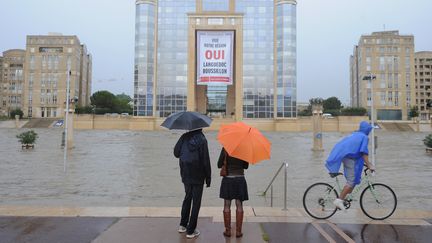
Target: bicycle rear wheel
(378, 201)
(318, 200)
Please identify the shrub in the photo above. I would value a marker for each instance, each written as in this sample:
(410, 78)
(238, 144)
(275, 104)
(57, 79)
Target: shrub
(28, 137)
(333, 112)
(354, 111)
(16, 112)
(428, 141)
(307, 112)
(84, 110)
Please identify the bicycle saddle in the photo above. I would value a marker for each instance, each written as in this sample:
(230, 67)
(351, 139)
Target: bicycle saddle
(333, 175)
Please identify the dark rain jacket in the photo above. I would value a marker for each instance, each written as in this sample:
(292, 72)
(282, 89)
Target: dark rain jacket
(234, 166)
(194, 159)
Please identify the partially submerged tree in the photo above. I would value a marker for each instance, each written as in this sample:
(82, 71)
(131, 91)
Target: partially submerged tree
(428, 141)
(28, 138)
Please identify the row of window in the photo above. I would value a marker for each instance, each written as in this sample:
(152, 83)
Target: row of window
(387, 40)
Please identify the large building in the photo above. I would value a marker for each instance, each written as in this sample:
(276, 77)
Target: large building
(423, 84)
(48, 59)
(12, 81)
(389, 57)
(234, 58)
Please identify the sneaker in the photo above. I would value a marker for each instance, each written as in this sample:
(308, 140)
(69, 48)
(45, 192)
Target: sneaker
(339, 203)
(196, 233)
(181, 229)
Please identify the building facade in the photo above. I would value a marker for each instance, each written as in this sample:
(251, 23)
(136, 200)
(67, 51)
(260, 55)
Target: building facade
(12, 81)
(48, 59)
(234, 58)
(423, 84)
(389, 57)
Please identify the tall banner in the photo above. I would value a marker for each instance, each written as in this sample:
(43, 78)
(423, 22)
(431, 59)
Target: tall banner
(215, 57)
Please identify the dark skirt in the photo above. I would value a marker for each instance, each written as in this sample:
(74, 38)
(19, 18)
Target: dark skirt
(234, 188)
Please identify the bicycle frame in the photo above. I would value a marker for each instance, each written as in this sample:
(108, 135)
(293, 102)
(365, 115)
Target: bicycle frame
(366, 181)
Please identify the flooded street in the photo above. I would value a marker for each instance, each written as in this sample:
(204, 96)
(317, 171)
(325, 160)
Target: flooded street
(134, 168)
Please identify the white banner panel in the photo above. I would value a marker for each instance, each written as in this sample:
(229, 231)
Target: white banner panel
(215, 57)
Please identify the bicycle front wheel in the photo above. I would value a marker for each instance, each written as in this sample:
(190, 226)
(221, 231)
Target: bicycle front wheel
(378, 201)
(318, 200)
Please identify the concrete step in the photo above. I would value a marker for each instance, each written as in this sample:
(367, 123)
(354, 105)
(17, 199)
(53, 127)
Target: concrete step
(396, 127)
(40, 122)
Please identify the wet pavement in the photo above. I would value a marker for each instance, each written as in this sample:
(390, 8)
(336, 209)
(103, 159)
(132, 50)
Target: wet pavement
(329, 232)
(52, 229)
(164, 230)
(134, 168)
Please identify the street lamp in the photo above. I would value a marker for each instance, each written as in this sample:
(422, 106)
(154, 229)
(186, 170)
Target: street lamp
(371, 78)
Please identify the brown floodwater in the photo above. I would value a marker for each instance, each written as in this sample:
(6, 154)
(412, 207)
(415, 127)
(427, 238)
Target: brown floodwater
(137, 168)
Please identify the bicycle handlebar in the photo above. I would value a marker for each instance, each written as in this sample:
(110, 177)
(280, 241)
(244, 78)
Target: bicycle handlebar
(367, 169)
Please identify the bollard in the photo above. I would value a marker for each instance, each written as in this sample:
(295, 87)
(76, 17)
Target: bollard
(317, 111)
(17, 117)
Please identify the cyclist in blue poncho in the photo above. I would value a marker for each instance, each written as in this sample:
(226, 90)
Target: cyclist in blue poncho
(352, 151)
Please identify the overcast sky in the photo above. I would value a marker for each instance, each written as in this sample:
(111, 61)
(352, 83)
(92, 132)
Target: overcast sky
(327, 30)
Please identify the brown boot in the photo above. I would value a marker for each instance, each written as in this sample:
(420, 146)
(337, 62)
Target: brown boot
(239, 222)
(227, 223)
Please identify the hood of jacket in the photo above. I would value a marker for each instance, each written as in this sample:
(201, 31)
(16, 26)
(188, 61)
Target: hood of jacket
(194, 139)
(365, 127)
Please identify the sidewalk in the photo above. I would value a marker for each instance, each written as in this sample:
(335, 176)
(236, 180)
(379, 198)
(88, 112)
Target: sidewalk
(154, 224)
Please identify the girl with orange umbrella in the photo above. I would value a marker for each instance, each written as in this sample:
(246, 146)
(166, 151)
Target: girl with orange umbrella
(242, 144)
(233, 187)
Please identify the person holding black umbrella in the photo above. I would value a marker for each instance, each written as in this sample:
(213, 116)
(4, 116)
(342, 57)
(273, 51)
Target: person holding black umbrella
(194, 161)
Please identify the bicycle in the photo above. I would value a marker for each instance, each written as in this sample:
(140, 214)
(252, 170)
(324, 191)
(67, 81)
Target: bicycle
(377, 200)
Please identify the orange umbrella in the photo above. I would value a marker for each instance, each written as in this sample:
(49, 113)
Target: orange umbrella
(244, 142)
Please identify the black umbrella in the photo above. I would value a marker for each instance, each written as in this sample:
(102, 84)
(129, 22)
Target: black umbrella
(186, 120)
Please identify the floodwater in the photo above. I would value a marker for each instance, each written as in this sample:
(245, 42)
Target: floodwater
(137, 168)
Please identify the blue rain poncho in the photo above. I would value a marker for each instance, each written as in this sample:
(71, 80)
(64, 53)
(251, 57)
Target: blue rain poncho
(353, 146)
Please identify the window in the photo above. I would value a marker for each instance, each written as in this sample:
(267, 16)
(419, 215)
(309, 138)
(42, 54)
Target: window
(216, 5)
(396, 98)
(32, 62)
(382, 63)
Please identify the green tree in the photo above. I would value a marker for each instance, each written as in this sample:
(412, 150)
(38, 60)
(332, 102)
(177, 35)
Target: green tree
(413, 112)
(316, 101)
(16, 112)
(124, 97)
(332, 103)
(123, 103)
(308, 111)
(104, 100)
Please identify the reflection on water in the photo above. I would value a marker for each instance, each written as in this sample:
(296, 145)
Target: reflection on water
(131, 168)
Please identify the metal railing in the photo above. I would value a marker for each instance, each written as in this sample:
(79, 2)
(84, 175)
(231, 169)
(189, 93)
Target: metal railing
(270, 186)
